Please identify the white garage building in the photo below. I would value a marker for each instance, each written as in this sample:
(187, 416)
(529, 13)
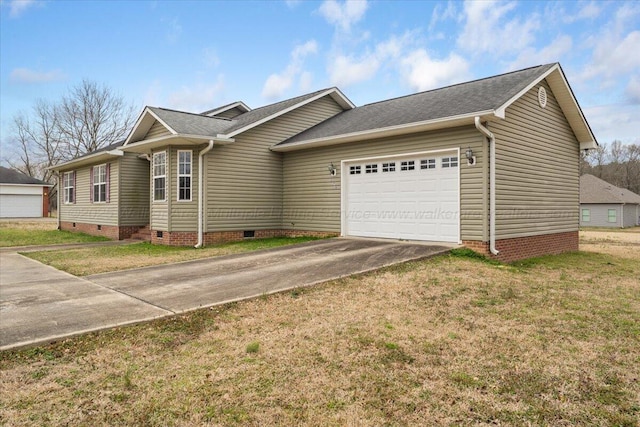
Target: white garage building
(22, 196)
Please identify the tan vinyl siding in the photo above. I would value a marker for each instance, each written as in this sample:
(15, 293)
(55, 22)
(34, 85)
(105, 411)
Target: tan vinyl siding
(134, 190)
(537, 179)
(83, 211)
(312, 196)
(160, 219)
(244, 179)
(157, 130)
(184, 214)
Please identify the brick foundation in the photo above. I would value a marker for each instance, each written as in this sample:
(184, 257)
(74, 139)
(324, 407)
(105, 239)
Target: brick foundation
(527, 247)
(110, 231)
(190, 238)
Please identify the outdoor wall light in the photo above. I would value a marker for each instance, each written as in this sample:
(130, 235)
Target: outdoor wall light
(332, 169)
(471, 160)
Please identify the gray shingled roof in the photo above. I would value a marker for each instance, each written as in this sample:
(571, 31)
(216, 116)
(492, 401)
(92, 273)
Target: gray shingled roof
(221, 108)
(260, 113)
(465, 98)
(199, 124)
(10, 176)
(192, 124)
(596, 190)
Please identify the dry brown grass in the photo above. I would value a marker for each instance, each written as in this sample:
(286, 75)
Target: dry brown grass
(29, 224)
(447, 341)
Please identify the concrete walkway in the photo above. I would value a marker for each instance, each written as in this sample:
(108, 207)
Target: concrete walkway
(40, 304)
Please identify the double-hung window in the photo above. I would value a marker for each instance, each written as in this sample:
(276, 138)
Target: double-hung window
(99, 183)
(184, 175)
(68, 184)
(160, 176)
(612, 216)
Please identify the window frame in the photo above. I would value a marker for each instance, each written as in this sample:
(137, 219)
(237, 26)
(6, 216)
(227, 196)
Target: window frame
(587, 217)
(407, 165)
(96, 170)
(450, 162)
(355, 170)
(69, 188)
(428, 163)
(184, 175)
(615, 216)
(159, 176)
(371, 168)
(388, 167)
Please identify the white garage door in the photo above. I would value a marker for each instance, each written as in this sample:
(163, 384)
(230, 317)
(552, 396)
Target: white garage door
(414, 197)
(20, 206)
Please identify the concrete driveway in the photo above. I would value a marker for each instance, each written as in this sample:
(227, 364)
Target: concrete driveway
(40, 304)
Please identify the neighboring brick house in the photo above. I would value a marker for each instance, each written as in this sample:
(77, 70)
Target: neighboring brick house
(491, 164)
(605, 205)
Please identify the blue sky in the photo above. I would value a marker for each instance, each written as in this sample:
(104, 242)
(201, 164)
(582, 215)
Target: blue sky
(194, 56)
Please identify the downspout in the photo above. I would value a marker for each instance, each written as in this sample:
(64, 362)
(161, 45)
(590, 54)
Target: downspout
(200, 193)
(492, 185)
(59, 206)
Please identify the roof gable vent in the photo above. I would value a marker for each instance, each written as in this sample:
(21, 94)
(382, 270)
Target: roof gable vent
(542, 96)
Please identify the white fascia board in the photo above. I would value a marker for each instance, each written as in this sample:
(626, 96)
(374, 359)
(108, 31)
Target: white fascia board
(331, 92)
(500, 111)
(448, 122)
(145, 146)
(91, 158)
(6, 184)
(145, 113)
(241, 104)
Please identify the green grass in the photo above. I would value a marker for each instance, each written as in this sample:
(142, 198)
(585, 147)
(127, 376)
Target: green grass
(86, 261)
(25, 237)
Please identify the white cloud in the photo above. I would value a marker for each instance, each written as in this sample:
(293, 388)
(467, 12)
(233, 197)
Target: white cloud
(345, 70)
(553, 52)
(441, 13)
(633, 89)
(174, 30)
(278, 83)
(611, 122)
(423, 72)
(210, 58)
(613, 56)
(590, 10)
(18, 7)
(293, 3)
(343, 15)
(198, 97)
(25, 75)
(488, 27)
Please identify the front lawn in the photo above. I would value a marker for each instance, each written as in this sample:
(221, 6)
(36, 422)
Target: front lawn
(86, 261)
(25, 233)
(451, 340)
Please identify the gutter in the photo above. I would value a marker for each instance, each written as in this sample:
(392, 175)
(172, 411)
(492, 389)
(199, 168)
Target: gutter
(200, 192)
(59, 205)
(492, 184)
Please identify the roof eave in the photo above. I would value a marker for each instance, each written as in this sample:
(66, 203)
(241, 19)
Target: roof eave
(568, 103)
(98, 157)
(146, 146)
(442, 123)
(139, 131)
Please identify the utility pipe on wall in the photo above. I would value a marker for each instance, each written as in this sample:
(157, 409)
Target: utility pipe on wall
(492, 184)
(200, 192)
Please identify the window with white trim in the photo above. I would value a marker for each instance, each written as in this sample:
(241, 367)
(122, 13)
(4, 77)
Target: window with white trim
(450, 162)
(184, 175)
(371, 168)
(355, 170)
(612, 215)
(389, 167)
(428, 164)
(68, 184)
(408, 165)
(586, 215)
(99, 183)
(160, 176)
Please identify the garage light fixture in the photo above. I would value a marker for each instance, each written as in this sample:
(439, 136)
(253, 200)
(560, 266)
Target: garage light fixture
(332, 169)
(470, 157)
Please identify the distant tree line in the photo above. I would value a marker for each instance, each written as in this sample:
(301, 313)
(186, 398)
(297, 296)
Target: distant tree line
(88, 118)
(616, 163)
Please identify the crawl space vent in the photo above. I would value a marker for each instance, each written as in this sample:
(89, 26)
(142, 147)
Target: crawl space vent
(542, 97)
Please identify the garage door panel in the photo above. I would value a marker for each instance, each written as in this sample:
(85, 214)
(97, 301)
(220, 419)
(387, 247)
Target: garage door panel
(20, 206)
(418, 204)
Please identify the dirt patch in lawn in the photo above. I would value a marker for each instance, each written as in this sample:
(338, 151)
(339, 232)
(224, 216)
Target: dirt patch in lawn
(446, 341)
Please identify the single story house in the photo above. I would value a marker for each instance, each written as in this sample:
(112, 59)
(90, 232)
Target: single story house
(22, 196)
(491, 164)
(605, 205)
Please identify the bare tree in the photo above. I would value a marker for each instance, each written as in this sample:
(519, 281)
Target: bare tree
(87, 119)
(36, 141)
(91, 117)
